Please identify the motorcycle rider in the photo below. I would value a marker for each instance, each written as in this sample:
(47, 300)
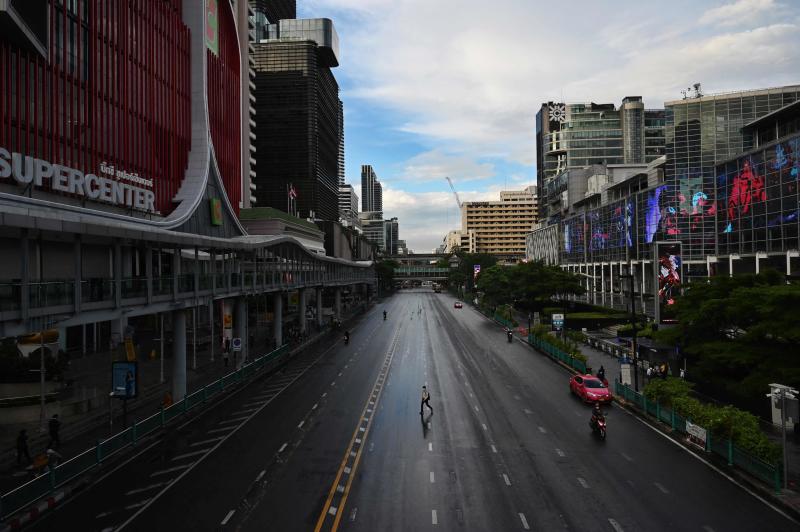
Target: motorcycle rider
(510, 334)
(597, 415)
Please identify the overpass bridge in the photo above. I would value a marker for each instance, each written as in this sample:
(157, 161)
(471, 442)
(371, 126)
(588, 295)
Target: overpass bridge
(420, 267)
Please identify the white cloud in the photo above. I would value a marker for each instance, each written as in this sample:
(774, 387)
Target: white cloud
(734, 13)
(435, 165)
(425, 218)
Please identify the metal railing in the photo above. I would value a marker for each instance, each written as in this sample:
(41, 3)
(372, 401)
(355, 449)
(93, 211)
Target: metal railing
(557, 354)
(52, 293)
(10, 296)
(134, 287)
(43, 485)
(94, 290)
(723, 447)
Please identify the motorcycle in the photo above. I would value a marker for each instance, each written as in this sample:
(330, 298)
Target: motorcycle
(599, 427)
(384, 315)
(510, 335)
(346, 339)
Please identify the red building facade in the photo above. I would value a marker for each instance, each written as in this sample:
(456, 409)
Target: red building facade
(112, 99)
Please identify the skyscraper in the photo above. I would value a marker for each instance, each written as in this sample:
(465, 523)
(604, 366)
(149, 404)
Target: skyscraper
(577, 135)
(341, 143)
(371, 190)
(298, 129)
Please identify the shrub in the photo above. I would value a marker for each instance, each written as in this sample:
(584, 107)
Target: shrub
(726, 422)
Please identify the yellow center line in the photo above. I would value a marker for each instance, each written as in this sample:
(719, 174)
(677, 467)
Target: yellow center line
(332, 493)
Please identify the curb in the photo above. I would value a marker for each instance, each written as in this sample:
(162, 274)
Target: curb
(732, 472)
(24, 517)
(31, 514)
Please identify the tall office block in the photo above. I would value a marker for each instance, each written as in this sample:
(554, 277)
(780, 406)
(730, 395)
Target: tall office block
(577, 135)
(371, 190)
(298, 129)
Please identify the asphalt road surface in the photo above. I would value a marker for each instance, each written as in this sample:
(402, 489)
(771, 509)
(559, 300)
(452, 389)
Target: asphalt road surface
(336, 441)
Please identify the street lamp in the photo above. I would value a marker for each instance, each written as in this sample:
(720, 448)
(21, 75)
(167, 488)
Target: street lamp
(635, 358)
(779, 392)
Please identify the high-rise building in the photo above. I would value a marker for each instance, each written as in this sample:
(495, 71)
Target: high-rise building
(341, 143)
(270, 12)
(348, 206)
(577, 135)
(372, 224)
(246, 28)
(500, 227)
(371, 190)
(391, 238)
(297, 101)
(701, 132)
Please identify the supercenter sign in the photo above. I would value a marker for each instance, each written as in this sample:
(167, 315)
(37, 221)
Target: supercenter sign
(27, 170)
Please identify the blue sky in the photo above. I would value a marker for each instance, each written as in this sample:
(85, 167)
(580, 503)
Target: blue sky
(436, 88)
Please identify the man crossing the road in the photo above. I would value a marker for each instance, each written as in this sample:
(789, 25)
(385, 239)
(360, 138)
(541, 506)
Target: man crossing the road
(425, 398)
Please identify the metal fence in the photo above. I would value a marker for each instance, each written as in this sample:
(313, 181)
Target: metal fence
(45, 484)
(723, 447)
(556, 353)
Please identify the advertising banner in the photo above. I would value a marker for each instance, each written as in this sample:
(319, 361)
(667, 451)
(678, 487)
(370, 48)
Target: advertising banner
(124, 376)
(212, 26)
(669, 278)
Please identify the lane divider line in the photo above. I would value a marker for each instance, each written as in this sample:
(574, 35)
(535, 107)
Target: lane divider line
(352, 454)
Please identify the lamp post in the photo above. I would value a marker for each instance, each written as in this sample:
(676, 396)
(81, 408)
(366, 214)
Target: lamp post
(632, 299)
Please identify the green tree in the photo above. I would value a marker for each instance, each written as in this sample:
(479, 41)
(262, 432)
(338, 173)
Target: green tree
(537, 284)
(496, 286)
(384, 270)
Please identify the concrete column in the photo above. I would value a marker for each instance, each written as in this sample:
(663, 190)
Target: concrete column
(118, 326)
(277, 318)
(213, 343)
(337, 306)
(178, 355)
(117, 275)
(240, 328)
(78, 258)
(319, 307)
(302, 309)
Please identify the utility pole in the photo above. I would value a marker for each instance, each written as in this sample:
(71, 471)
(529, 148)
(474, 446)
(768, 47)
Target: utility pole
(779, 391)
(631, 278)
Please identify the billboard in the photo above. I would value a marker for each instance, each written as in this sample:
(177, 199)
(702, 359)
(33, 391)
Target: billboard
(669, 278)
(124, 377)
(212, 26)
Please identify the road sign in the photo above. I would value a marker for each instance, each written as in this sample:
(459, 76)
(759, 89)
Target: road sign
(476, 269)
(558, 321)
(123, 379)
(237, 344)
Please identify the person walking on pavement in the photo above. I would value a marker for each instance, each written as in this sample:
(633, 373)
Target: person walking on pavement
(22, 448)
(426, 397)
(54, 426)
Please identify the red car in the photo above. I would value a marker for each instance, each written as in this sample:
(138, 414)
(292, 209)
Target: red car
(589, 388)
(458, 304)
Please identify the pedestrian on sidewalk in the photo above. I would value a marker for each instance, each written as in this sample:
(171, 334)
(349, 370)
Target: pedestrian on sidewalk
(22, 448)
(426, 397)
(683, 373)
(649, 373)
(54, 426)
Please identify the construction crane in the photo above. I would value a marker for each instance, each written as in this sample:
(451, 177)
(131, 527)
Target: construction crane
(458, 200)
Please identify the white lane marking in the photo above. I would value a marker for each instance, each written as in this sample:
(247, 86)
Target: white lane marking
(232, 420)
(661, 488)
(333, 383)
(470, 394)
(282, 447)
(358, 440)
(484, 426)
(170, 470)
(505, 477)
(434, 519)
(300, 425)
(137, 504)
(429, 424)
(353, 514)
(430, 446)
(261, 475)
(340, 374)
(332, 510)
(494, 449)
(347, 470)
(560, 453)
(626, 457)
(582, 482)
(148, 488)
(708, 528)
(616, 525)
(476, 408)
(543, 430)
(324, 394)
(246, 411)
(345, 366)
(524, 521)
(527, 411)
(221, 429)
(227, 517)
(189, 455)
(432, 479)
(205, 442)
(314, 407)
